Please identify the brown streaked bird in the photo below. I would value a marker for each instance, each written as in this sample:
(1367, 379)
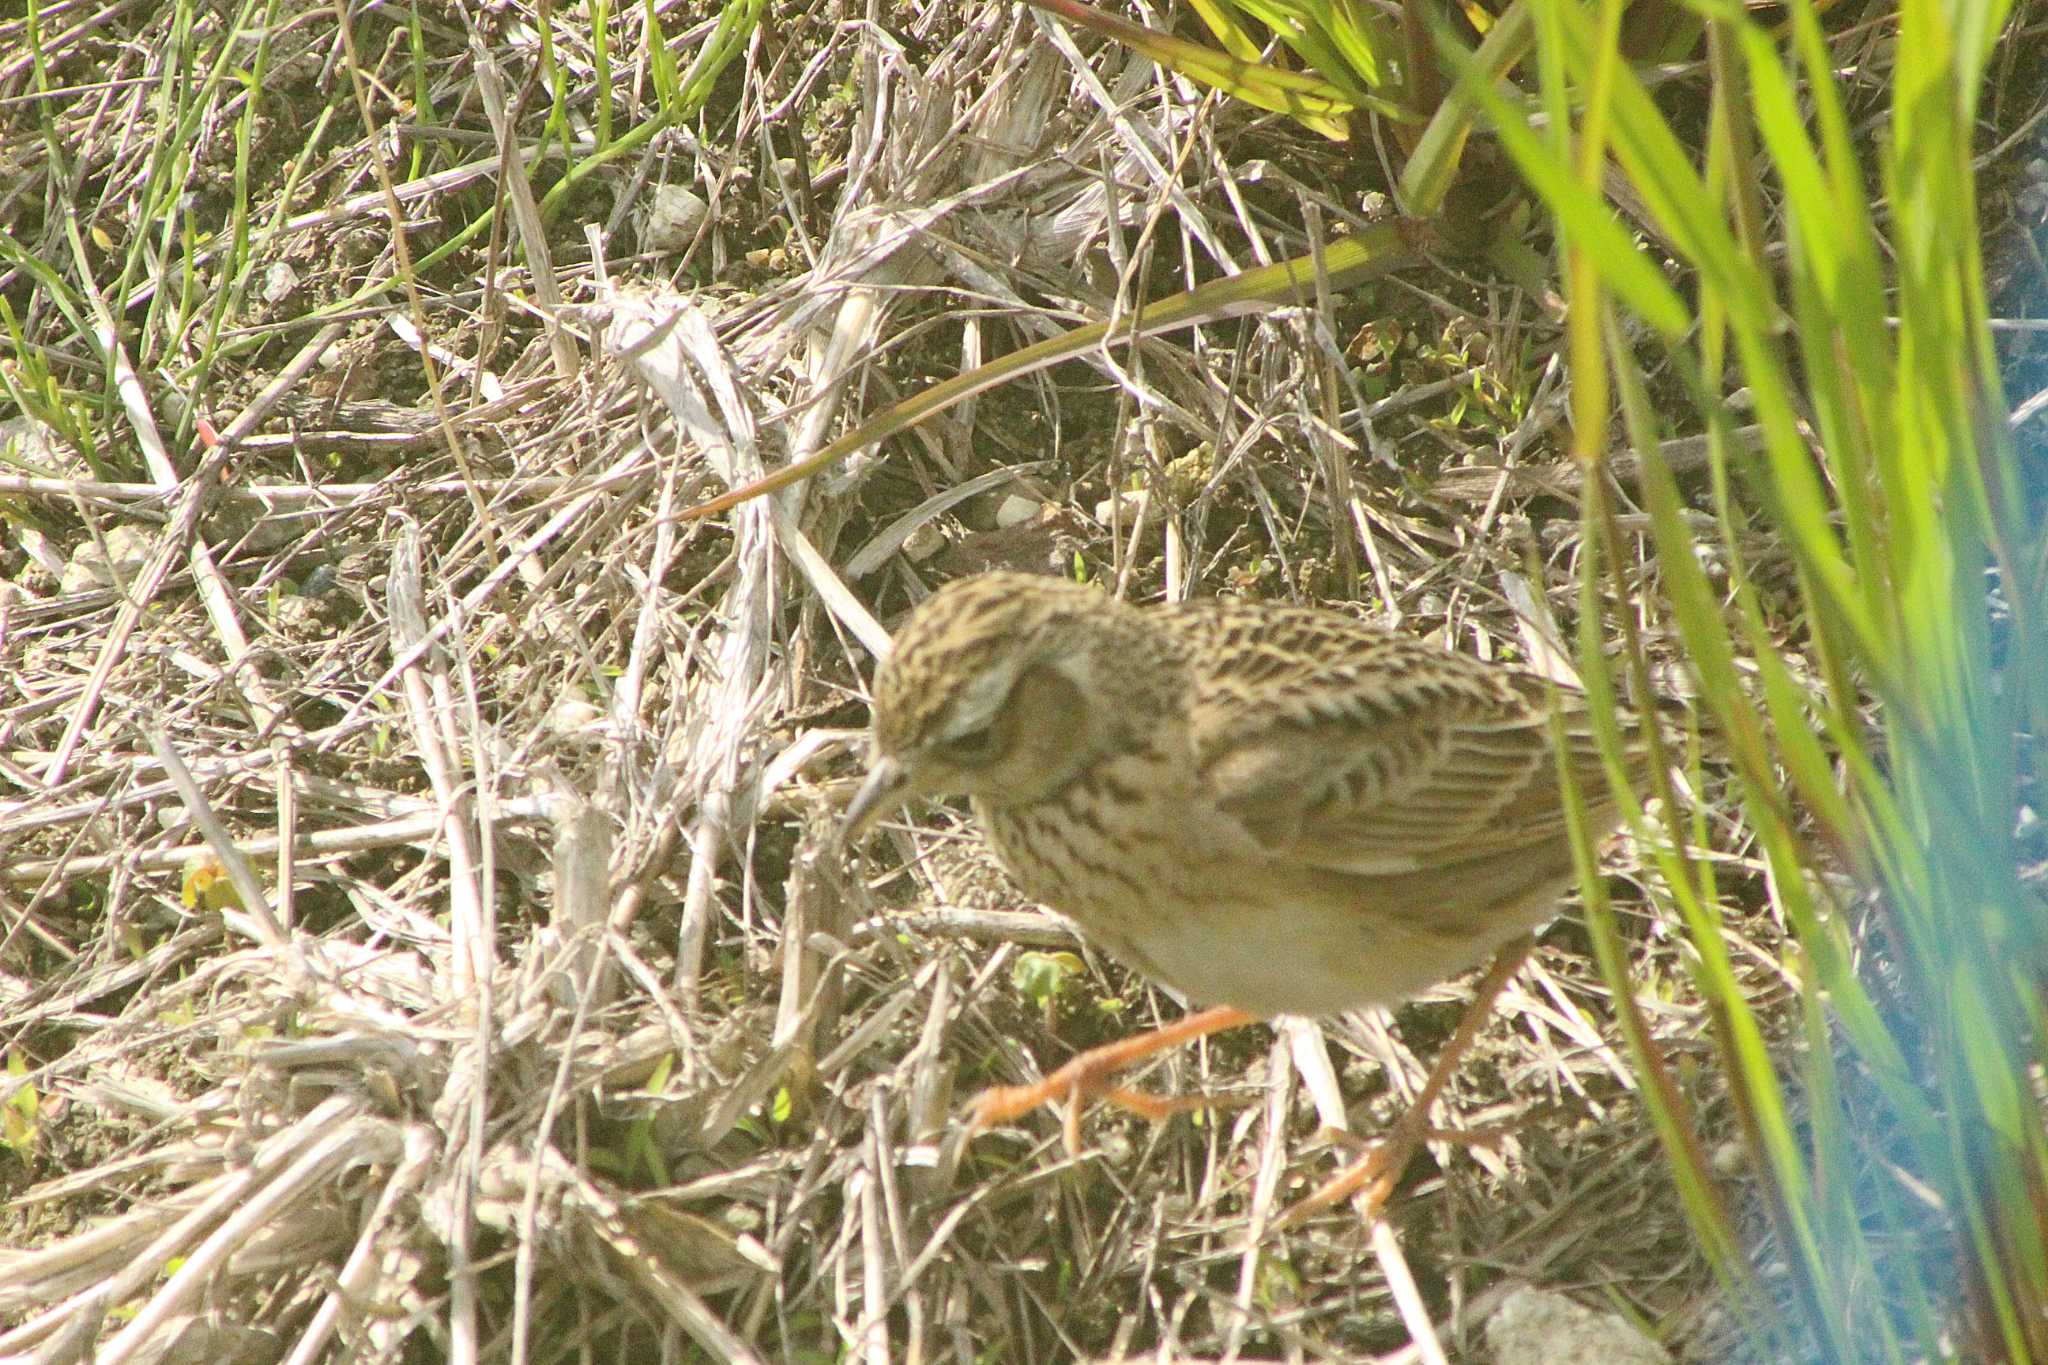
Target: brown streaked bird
(1271, 809)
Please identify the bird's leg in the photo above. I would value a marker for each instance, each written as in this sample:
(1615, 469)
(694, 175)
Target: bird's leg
(1382, 1166)
(1088, 1076)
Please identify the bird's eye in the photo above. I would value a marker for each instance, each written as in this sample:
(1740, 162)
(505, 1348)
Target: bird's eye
(973, 747)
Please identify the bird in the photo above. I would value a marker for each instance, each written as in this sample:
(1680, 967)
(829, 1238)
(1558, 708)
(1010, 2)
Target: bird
(1269, 808)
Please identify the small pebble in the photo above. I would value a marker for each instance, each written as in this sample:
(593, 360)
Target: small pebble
(1540, 1327)
(1015, 510)
(673, 217)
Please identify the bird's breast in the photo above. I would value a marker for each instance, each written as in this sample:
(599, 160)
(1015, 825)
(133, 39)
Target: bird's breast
(1104, 848)
(1178, 890)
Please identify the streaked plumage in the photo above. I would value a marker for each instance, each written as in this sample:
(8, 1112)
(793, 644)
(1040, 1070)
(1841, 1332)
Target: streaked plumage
(1271, 807)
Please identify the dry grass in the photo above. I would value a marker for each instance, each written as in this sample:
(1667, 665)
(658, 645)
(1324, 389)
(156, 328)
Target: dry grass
(422, 935)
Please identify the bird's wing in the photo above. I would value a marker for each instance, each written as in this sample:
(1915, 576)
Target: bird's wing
(1346, 748)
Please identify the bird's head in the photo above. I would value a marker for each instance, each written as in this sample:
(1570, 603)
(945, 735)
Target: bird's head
(994, 690)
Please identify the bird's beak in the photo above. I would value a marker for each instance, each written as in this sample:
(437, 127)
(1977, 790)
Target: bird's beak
(885, 789)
